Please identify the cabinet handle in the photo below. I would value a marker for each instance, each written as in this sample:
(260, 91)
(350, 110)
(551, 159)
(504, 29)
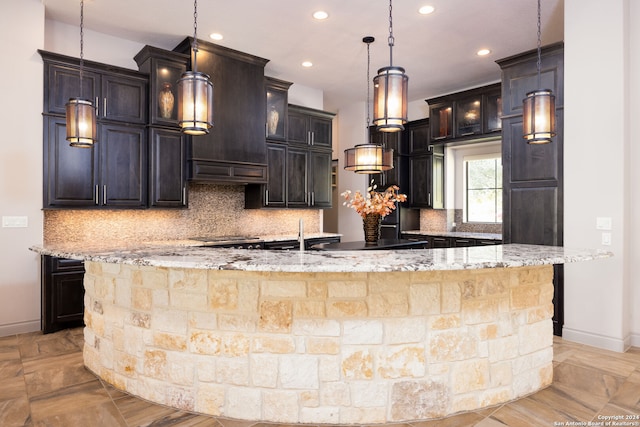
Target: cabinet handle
(266, 130)
(97, 107)
(266, 197)
(104, 108)
(184, 196)
(95, 195)
(429, 199)
(313, 198)
(435, 138)
(313, 138)
(467, 133)
(104, 194)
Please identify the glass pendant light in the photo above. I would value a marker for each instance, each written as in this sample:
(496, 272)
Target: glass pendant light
(80, 113)
(195, 93)
(390, 92)
(368, 158)
(539, 109)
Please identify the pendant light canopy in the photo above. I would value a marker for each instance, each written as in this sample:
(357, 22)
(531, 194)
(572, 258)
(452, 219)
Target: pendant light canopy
(80, 113)
(195, 93)
(368, 158)
(390, 92)
(539, 109)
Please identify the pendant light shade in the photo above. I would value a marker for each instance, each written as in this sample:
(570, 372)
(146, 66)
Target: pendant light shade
(390, 92)
(80, 113)
(195, 103)
(539, 109)
(195, 93)
(539, 117)
(368, 158)
(390, 99)
(81, 123)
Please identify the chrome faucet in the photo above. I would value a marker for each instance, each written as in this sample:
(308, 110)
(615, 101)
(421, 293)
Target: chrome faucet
(301, 235)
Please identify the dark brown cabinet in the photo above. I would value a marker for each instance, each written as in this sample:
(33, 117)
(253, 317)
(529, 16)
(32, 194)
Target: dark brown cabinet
(112, 174)
(533, 174)
(418, 136)
(167, 168)
(308, 126)
(62, 293)
(234, 151)
(277, 97)
(398, 175)
(466, 115)
(427, 179)
(450, 241)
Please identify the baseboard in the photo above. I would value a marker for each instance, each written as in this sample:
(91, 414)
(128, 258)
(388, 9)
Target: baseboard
(19, 328)
(595, 340)
(634, 340)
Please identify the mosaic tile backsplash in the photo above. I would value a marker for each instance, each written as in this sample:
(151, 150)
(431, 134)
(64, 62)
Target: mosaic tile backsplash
(443, 219)
(214, 210)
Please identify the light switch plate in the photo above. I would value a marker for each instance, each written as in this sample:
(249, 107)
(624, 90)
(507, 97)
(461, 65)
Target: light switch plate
(603, 223)
(14, 221)
(606, 239)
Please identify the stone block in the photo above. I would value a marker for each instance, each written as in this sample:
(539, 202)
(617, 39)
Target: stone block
(335, 394)
(316, 327)
(495, 397)
(243, 403)
(470, 375)
(141, 299)
(329, 368)
(317, 289)
(346, 308)
(479, 311)
(388, 304)
(448, 346)
(444, 321)
(283, 289)
(309, 308)
(322, 345)
(141, 320)
(275, 316)
(369, 394)
(223, 294)
(536, 336)
(451, 297)
(173, 321)
(237, 322)
(321, 415)
(280, 406)
(298, 372)
(248, 296)
(202, 320)
(273, 344)
(205, 368)
(416, 400)
(353, 415)
(501, 374)
(185, 300)
(406, 361)
(503, 348)
(126, 364)
(169, 341)
(347, 289)
(357, 364)
(205, 342)
(193, 280)
(362, 332)
(155, 364)
(309, 399)
(210, 399)
(233, 371)
(154, 277)
(264, 370)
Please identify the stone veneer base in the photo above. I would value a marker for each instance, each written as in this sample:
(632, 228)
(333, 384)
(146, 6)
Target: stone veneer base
(348, 348)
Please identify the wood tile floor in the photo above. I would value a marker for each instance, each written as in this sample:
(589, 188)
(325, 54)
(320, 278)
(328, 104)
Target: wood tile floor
(43, 383)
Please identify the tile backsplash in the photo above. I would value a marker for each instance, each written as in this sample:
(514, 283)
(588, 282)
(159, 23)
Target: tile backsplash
(214, 210)
(443, 220)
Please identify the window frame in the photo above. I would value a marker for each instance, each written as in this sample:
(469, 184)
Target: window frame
(465, 188)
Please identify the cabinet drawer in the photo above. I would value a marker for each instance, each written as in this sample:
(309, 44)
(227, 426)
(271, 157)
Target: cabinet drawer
(64, 264)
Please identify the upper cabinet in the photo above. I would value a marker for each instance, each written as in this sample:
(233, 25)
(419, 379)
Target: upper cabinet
(277, 97)
(234, 150)
(471, 114)
(118, 94)
(308, 126)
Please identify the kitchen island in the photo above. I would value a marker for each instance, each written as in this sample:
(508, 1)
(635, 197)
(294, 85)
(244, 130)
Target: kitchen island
(353, 337)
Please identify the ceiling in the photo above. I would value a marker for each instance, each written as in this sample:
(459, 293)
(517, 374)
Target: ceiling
(438, 51)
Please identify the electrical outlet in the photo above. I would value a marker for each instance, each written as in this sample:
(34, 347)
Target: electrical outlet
(14, 221)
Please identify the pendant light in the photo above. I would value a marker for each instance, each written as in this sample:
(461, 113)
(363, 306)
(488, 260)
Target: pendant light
(80, 113)
(368, 158)
(195, 93)
(390, 92)
(539, 109)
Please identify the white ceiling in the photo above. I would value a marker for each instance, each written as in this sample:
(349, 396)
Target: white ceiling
(438, 51)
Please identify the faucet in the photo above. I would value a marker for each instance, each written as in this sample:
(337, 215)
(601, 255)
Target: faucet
(301, 235)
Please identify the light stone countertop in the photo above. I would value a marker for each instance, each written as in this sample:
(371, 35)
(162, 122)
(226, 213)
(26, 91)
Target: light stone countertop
(182, 254)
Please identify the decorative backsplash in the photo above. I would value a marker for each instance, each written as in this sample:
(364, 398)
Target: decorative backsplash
(443, 219)
(214, 210)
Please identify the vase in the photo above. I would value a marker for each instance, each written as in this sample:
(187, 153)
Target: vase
(272, 121)
(371, 225)
(166, 101)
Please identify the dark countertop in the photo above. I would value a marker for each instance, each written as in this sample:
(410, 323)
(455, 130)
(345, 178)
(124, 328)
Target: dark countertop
(460, 234)
(362, 245)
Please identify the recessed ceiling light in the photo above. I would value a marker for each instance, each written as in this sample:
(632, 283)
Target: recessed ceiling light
(483, 52)
(320, 15)
(425, 10)
(307, 64)
(216, 36)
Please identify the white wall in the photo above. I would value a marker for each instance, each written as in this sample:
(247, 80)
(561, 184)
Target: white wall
(597, 172)
(22, 32)
(634, 159)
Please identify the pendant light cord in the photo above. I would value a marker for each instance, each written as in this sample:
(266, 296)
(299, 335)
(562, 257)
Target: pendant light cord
(194, 45)
(391, 39)
(368, 66)
(81, 44)
(539, 63)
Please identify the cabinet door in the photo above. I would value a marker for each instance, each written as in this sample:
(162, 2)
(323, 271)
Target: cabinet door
(63, 82)
(167, 169)
(419, 138)
(441, 119)
(297, 177)
(276, 189)
(320, 129)
(468, 117)
(437, 181)
(298, 130)
(420, 187)
(70, 173)
(123, 166)
(320, 179)
(62, 294)
(123, 99)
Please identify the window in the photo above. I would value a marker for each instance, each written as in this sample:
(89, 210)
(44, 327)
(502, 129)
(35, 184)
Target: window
(483, 188)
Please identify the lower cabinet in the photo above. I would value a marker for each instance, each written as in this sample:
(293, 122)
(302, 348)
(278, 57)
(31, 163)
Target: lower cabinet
(450, 242)
(284, 245)
(62, 293)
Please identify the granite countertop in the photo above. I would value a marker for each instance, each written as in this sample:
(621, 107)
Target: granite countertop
(180, 254)
(461, 234)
